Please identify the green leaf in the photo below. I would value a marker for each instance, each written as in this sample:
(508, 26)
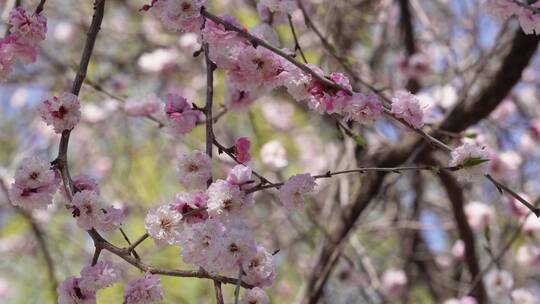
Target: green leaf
(359, 140)
(470, 135)
(436, 169)
(474, 161)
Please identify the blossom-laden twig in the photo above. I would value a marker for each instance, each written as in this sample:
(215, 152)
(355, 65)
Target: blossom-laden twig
(323, 80)
(62, 164)
(210, 67)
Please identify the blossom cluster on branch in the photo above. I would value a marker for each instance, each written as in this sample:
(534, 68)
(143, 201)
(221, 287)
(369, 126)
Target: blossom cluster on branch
(207, 220)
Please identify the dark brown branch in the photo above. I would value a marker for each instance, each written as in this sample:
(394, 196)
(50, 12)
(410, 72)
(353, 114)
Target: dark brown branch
(408, 37)
(40, 6)
(457, 200)
(210, 67)
(124, 254)
(134, 245)
(459, 119)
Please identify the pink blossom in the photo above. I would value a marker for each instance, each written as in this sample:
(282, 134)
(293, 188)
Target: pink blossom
(298, 82)
(179, 15)
(407, 106)
(523, 296)
(241, 149)
(274, 155)
(517, 208)
(254, 296)
(323, 99)
(194, 170)
(240, 176)
(278, 114)
(99, 276)
(224, 199)
(529, 20)
(364, 109)
(414, 66)
(199, 241)
(464, 300)
(224, 44)
(479, 215)
(69, 292)
(62, 112)
(458, 250)
(255, 67)
(32, 28)
(291, 194)
(528, 256)
(35, 184)
(499, 283)
(87, 209)
(238, 100)
(110, 219)
(465, 153)
(502, 9)
(180, 115)
(187, 202)
(235, 248)
(14, 48)
(260, 269)
(144, 290)
(393, 282)
(164, 225)
(84, 182)
(532, 224)
(144, 107)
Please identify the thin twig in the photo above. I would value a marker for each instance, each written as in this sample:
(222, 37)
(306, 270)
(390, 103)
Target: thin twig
(360, 170)
(97, 252)
(39, 234)
(210, 67)
(40, 6)
(324, 81)
(297, 46)
(137, 242)
(237, 288)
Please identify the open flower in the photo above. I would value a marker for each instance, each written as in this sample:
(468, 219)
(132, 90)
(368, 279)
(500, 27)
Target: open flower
(472, 161)
(62, 112)
(164, 224)
(194, 169)
(144, 290)
(35, 184)
(291, 194)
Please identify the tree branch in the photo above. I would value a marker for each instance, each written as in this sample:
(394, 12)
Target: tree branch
(460, 118)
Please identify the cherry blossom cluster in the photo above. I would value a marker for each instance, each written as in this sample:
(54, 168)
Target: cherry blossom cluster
(209, 227)
(252, 70)
(471, 160)
(62, 112)
(528, 18)
(83, 289)
(27, 30)
(35, 184)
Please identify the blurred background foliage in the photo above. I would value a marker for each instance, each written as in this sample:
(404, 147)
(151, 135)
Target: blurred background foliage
(134, 161)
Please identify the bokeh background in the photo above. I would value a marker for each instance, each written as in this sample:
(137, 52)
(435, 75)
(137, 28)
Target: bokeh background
(134, 161)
